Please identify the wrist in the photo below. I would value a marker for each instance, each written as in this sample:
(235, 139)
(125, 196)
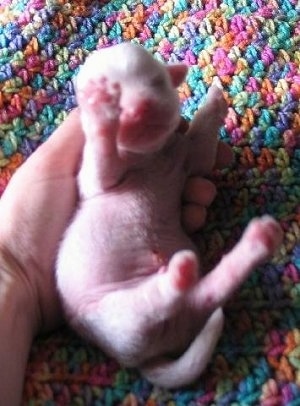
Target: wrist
(18, 300)
(18, 320)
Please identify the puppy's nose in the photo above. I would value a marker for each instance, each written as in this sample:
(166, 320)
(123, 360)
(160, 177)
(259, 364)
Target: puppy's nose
(137, 110)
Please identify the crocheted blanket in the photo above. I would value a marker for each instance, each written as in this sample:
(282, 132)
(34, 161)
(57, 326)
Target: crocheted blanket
(253, 46)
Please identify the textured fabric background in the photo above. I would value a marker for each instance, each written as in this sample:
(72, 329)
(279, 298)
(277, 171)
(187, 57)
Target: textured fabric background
(253, 46)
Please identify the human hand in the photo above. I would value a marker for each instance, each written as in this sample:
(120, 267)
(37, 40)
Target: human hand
(34, 210)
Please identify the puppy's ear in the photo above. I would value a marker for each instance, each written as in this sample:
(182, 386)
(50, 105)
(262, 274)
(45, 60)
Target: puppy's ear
(177, 73)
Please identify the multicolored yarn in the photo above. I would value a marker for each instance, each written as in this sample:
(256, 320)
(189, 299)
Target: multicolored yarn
(253, 46)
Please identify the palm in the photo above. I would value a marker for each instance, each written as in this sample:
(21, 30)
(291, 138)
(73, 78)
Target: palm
(34, 212)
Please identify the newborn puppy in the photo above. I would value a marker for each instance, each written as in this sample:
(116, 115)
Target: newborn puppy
(128, 275)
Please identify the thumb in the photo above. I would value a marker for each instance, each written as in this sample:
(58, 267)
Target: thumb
(59, 155)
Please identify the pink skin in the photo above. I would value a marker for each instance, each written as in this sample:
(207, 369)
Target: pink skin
(128, 275)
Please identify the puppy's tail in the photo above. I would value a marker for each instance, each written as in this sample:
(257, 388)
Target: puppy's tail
(184, 370)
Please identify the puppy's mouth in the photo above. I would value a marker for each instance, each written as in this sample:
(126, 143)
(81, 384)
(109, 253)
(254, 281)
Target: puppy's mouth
(145, 136)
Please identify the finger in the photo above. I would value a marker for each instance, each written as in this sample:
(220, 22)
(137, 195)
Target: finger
(199, 190)
(260, 240)
(183, 125)
(198, 194)
(224, 156)
(193, 217)
(60, 155)
(47, 183)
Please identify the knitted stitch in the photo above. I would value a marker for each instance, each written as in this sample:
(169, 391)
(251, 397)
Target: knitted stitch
(253, 47)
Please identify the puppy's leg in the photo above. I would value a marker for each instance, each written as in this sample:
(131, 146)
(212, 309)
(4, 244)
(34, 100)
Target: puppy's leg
(259, 242)
(203, 132)
(99, 104)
